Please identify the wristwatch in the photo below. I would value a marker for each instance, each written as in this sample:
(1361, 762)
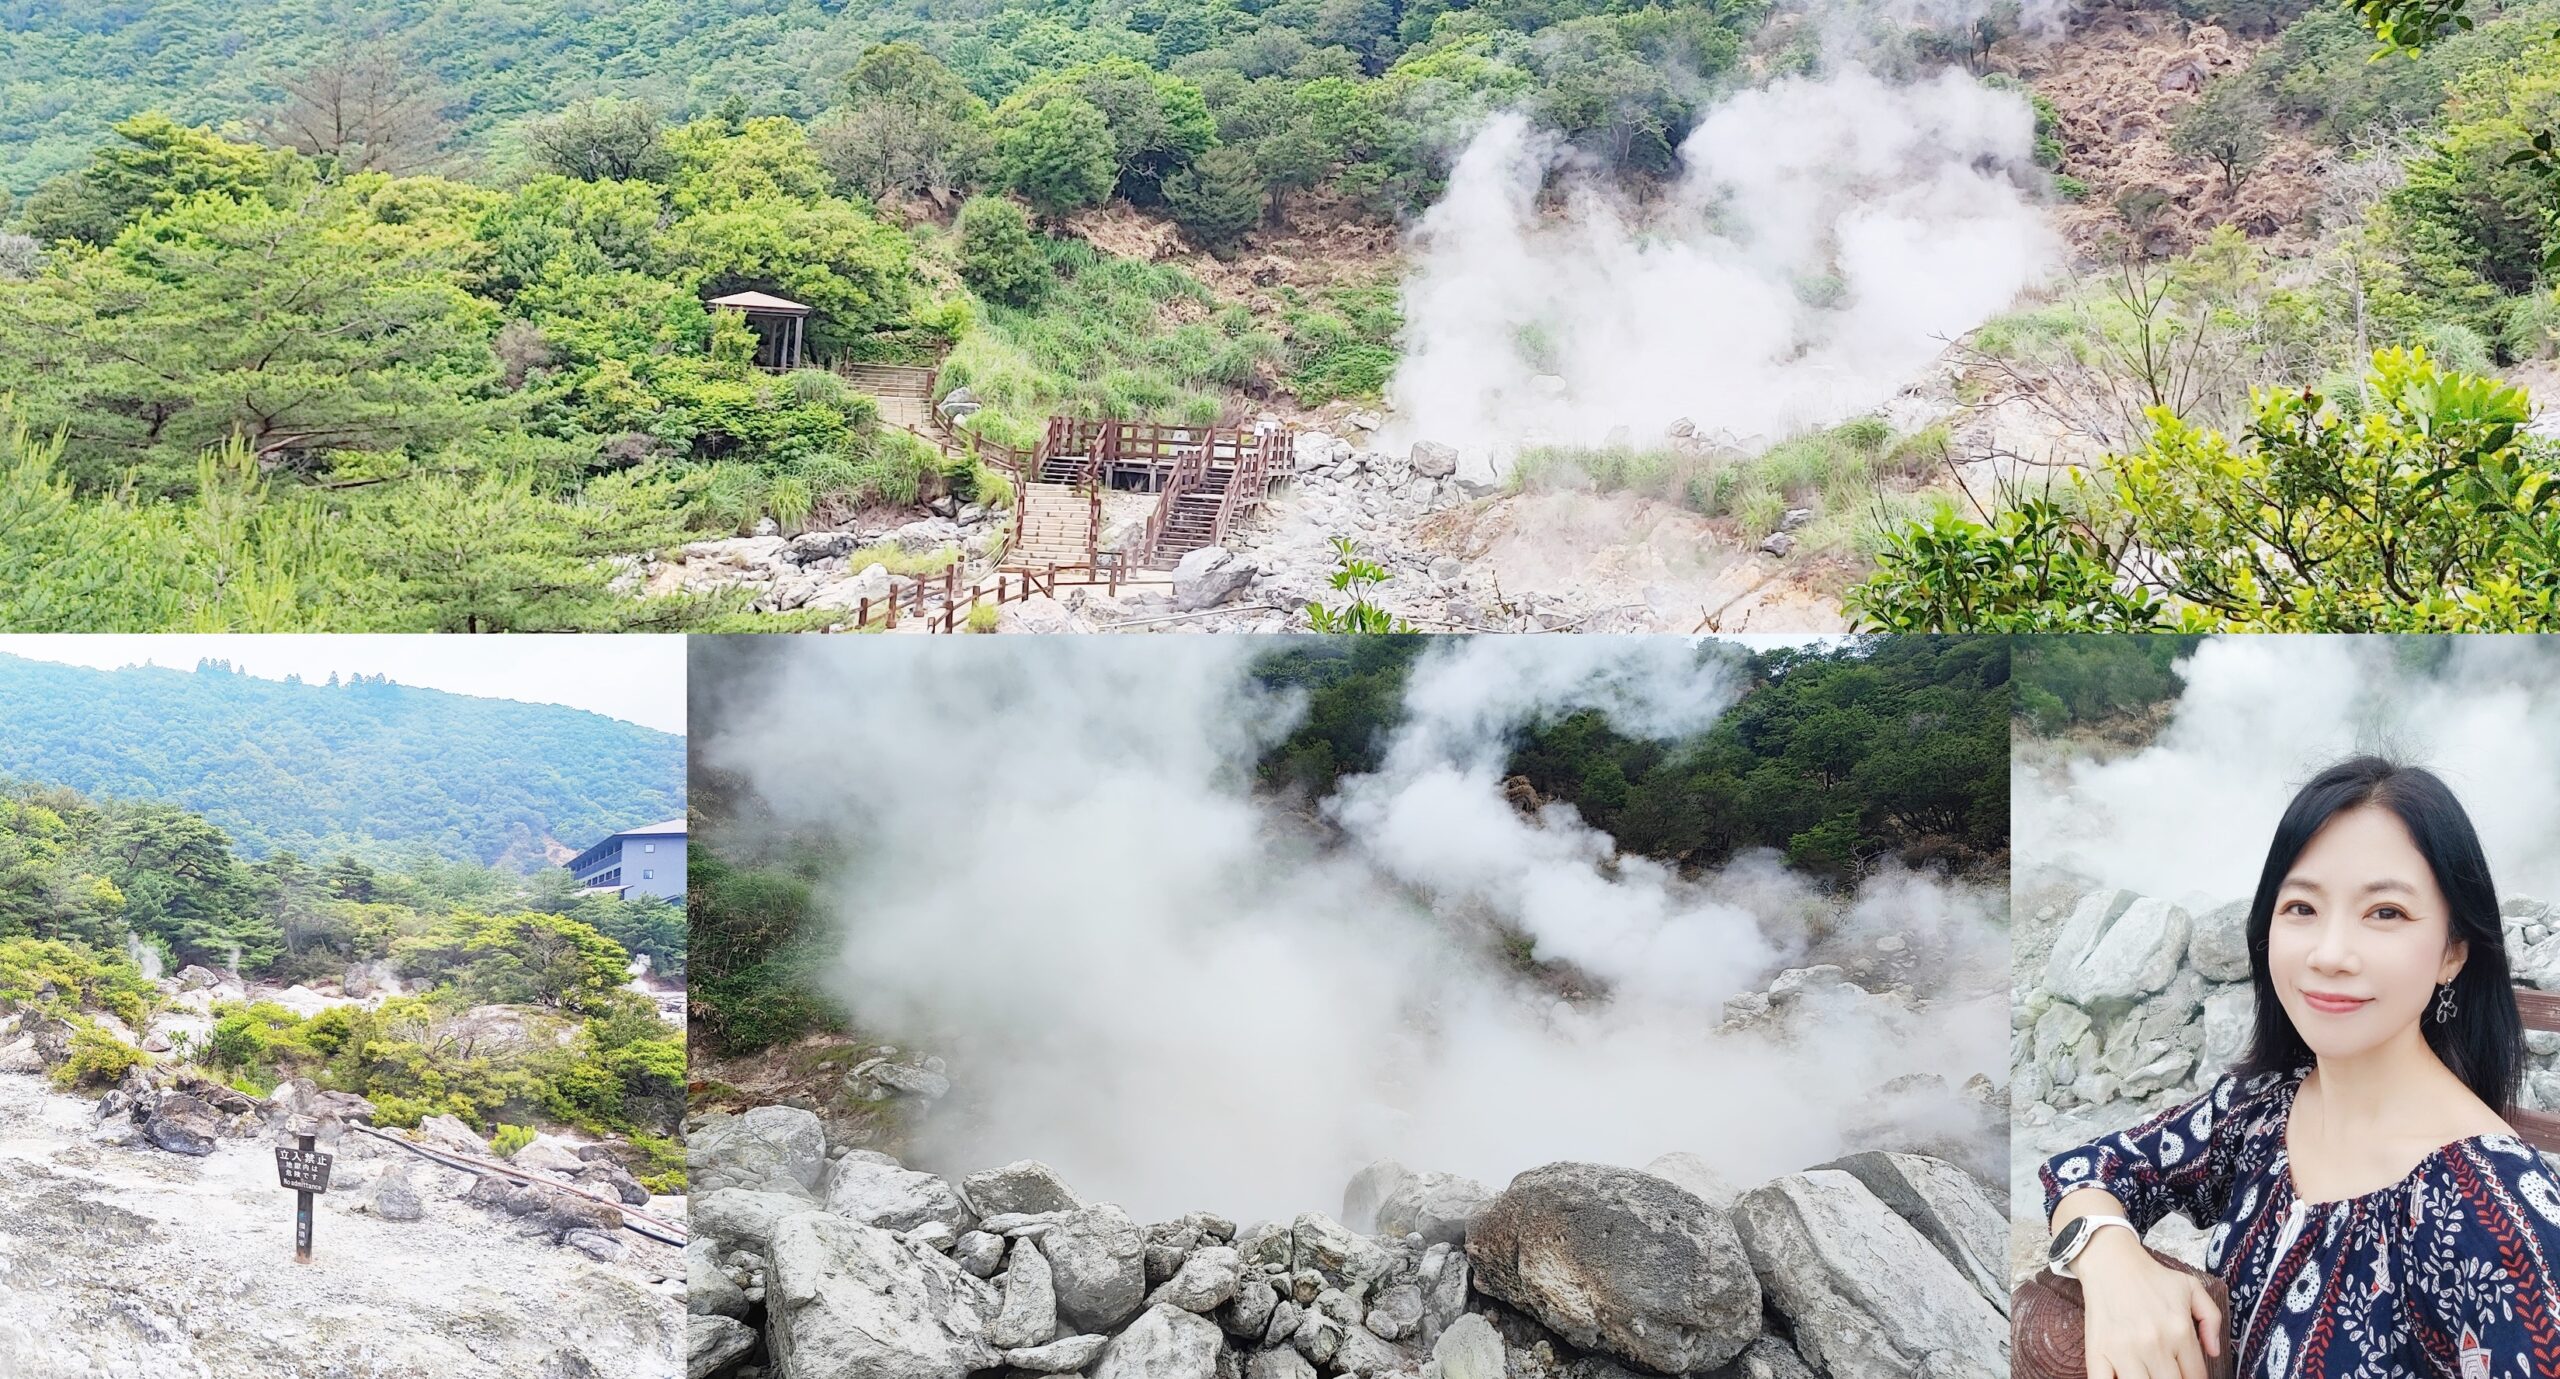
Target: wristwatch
(2074, 1237)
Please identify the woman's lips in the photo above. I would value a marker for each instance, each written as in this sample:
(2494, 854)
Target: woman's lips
(2328, 1003)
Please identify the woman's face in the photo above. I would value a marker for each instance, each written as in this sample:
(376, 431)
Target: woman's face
(2359, 938)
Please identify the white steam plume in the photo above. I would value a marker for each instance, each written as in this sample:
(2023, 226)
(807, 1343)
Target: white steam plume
(2189, 816)
(1187, 996)
(1904, 201)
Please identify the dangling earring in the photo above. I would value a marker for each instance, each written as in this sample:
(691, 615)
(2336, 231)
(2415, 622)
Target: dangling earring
(2444, 1003)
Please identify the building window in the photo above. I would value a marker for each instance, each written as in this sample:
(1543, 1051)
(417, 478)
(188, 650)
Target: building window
(648, 875)
(648, 847)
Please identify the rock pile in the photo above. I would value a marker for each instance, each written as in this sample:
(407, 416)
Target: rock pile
(806, 1264)
(815, 570)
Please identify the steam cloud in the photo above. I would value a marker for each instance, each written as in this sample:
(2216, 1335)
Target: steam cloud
(1185, 996)
(1824, 240)
(2189, 817)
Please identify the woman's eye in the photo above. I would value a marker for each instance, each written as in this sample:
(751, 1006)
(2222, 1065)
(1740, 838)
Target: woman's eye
(2390, 912)
(2295, 907)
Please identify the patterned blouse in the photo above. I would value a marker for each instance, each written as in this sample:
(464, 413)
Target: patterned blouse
(2452, 1271)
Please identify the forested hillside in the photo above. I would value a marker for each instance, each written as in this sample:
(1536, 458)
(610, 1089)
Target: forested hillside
(364, 767)
(390, 313)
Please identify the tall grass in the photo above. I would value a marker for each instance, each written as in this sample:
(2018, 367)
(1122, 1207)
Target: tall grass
(1113, 337)
(1847, 475)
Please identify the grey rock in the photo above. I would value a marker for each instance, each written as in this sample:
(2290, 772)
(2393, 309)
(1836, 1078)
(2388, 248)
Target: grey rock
(2219, 948)
(1024, 1186)
(395, 1198)
(446, 1132)
(1619, 1261)
(767, 1149)
(1282, 1362)
(1340, 1257)
(1064, 1356)
(1361, 1351)
(1287, 1315)
(1099, 1261)
(1693, 1174)
(712, 1343)
(1443, 1278)
(848, 1301)
(1397, 1312)
(1210, 576)
(923, 1083)
(1248, 1314)
(1030, 1314)
(1777, 543)
(893, 1198)
(980, 1253)
(2115, 949)
(1947, 1208)
(2230, 1017)
(708, 1289)
(1369, 1188)
(596, 1245)
(1164, 1343)
(934, 1235)
(1868, 1297)
(1767, 1358)
(1437, 1206)
(1432, 460)
(182, 1124)
(1470, 1349)
(1205, 1281)
(740, 1219)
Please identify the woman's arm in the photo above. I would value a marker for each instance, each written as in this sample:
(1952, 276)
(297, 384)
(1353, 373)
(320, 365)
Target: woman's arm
(2145, 1320)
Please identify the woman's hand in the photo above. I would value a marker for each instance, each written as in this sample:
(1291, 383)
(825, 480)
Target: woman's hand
(2144, 1319)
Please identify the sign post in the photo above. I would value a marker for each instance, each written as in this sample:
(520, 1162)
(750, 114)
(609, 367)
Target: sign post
(306, 1170)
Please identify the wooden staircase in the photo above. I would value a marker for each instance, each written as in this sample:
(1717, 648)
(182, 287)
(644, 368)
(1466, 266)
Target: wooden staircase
(905, 394)
(1191, 518)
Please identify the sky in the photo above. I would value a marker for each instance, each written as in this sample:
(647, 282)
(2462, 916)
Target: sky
(635, 678)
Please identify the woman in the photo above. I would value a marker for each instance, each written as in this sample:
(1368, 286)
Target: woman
(2371, 1210)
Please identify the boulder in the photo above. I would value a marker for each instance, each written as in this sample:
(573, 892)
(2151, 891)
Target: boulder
(1946, 1207)
(596, 1245)
(543, 1154)
(1066, 1356)
(394, 1197)
(708, 1289)
(741, 1219)
(809, 547)
(1024, 1186)
(768, 1149)
(1868, 1296)
(1437, 1206)
(893, 1198)
(2115, 949)
(922, 1083)
(1767, 1358)
(1470, 1349)
(848, 1301)
(1619, 1261)
(1247, 1315)
(1098, 1260)
(448, 1133)
(1342, 1258)
(1030, 1313)
(1206, 1280)
(2218, 950)
(1693, 1174)
(182, 1124)
(1282, 1362)
(1368, 1189)
(980, 1253)
(846, 595)
(1210, 576)
(712, 1343)
(1165, 1343)
(1432, 460)
(2230, 1019)
(1396, 1314)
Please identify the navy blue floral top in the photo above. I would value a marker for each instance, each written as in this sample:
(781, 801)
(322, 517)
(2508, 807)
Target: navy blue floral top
(2452, 1271)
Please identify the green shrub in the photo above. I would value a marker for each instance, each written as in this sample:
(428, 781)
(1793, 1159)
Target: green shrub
(983, 617)
(97, 1058)
(999, 258)
(509, 1139)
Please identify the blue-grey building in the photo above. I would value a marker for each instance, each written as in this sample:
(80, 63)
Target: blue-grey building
(636, 862)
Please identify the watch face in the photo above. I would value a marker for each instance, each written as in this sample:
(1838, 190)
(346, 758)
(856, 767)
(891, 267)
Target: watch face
(2063, 1244)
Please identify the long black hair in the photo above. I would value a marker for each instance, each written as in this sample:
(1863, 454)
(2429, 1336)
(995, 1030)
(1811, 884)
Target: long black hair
(2483, 1044)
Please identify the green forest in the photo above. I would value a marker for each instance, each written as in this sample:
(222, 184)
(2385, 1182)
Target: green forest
(89, 887)
(363, 766)
(1839, 759)
(388, 314)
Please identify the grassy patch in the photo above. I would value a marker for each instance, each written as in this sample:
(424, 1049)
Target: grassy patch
(1112, 337)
